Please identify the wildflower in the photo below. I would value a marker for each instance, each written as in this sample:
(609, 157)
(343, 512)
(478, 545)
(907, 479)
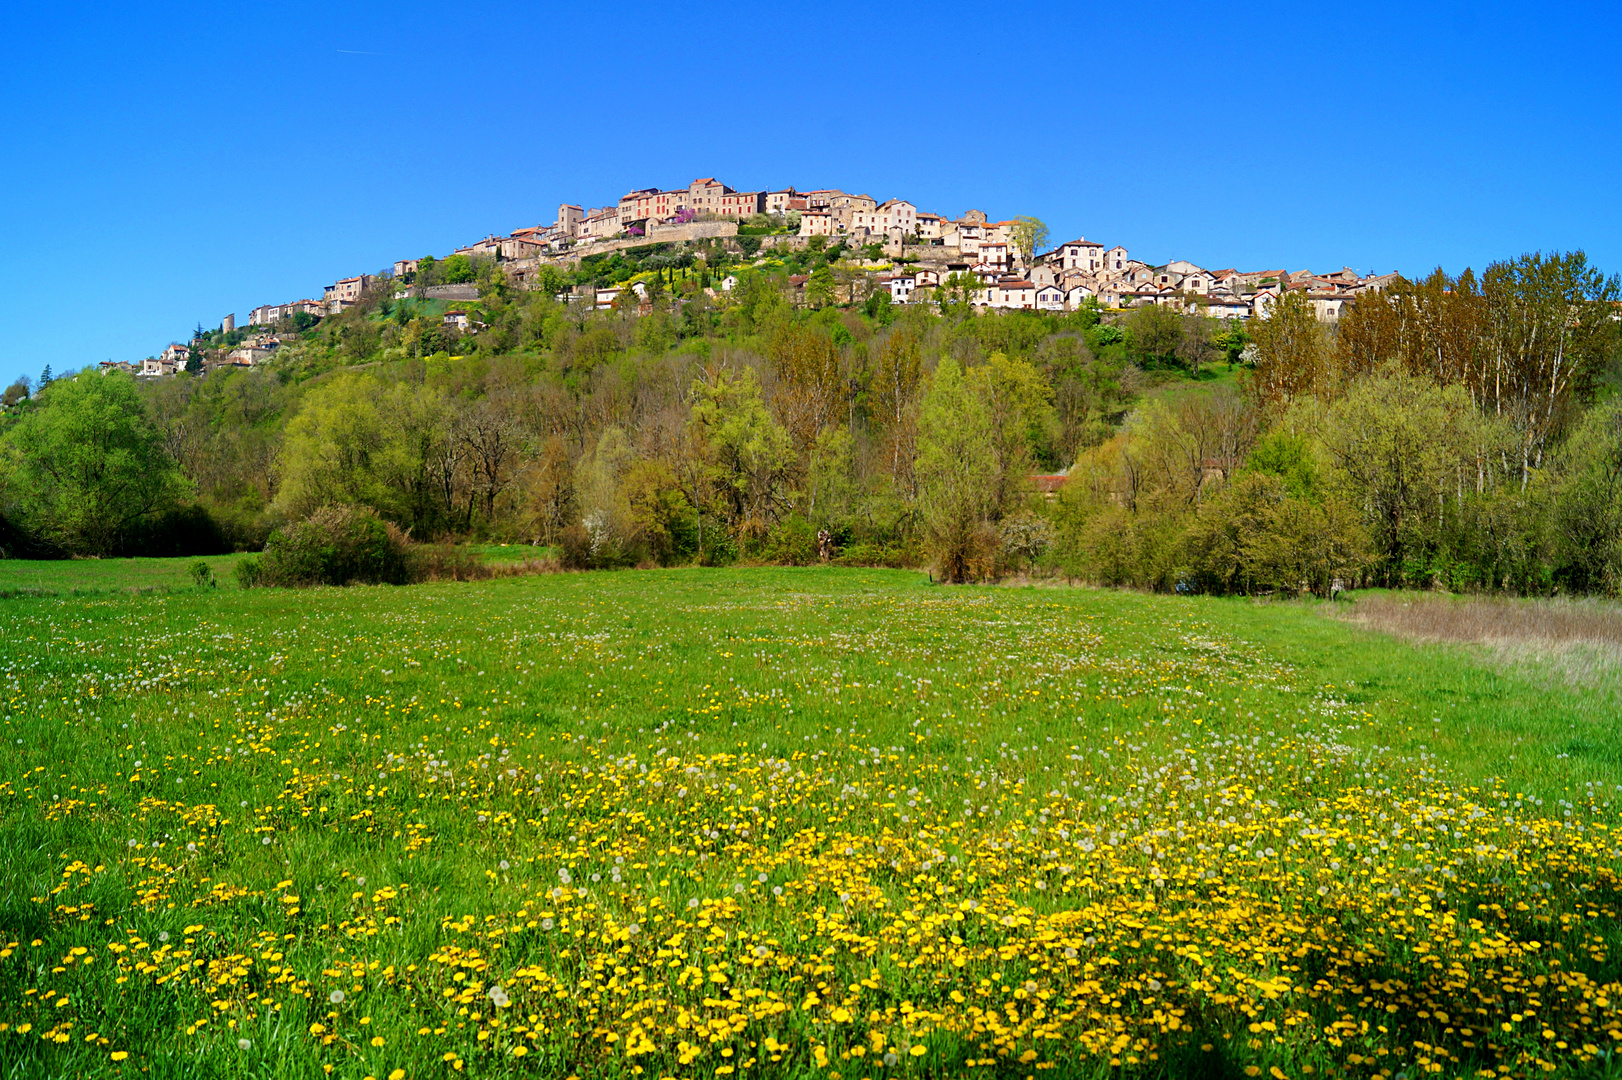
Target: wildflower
(116, 1055)
(244, 1044)
(336, 997)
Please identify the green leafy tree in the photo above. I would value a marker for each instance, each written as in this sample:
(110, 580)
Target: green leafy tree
(1156, 333)
(1030, 235)
(1585, 480)
(957, 475)
(1291, 349)
(359, 441)
(1400, 447)
(89, 466)
(1019, 406)
(456, 269)
(746, 454)
(819, 291)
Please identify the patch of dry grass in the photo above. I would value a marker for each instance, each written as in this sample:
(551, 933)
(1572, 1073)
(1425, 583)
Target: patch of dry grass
(1581, 640)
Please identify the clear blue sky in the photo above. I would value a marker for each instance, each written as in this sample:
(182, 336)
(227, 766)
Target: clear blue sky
(165, 164)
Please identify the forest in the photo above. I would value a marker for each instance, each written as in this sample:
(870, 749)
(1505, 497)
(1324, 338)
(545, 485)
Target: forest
(1461, 432)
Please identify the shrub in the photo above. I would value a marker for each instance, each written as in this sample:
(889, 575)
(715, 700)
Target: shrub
(792, 542)
(248, 575)
(202, 575)
(575, 547)
(336, 545)
(176, 533)
(1025, 538)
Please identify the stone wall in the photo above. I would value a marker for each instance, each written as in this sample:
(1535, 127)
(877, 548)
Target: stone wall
(449, 292)
(693, 230)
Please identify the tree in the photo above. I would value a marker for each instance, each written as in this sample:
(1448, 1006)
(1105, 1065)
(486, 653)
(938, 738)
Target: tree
(819, 291)
(957, 475)
(745, 453)
(1402, 447)
(45, 377)
(879, 307)
(89, 465)
(1018, 404)
(1197, 345)
(1585, 499)
(358, 440)
(1030, 235)
(1291, 350)
(893, 402)
(456, 269)
(1156, 333)
(1551, 325)
(811, 381)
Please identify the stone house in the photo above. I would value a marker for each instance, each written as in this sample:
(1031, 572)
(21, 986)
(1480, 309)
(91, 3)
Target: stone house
(822, 198)
(930, 226)
(1079, 254)
(598, 225)
(966, 237)
(248, 355)
(1050, 298)
(782, 201)
(1075, 295)
(176, 354)
(517, 247)
(345, 291)
(1010, 293)
(1226, 306)
(1116, 259)
(900, 286)
(644, 204)
(891, 214)
(742, 204)
(816, 223)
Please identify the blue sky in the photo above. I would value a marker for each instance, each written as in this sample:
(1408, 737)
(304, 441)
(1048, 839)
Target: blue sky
(165, 164)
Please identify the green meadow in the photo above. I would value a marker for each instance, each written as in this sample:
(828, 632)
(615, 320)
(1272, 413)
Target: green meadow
(785, 822)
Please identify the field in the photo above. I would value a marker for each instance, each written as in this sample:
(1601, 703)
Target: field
(813, 822)
(86, 577)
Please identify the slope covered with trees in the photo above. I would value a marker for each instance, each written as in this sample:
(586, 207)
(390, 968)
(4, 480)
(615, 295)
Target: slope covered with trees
(1456, 431)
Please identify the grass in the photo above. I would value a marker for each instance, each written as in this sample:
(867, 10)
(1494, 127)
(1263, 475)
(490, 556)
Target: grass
(67, 577)
(789, 822)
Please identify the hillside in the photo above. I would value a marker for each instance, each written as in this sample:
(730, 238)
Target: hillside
(725, 413)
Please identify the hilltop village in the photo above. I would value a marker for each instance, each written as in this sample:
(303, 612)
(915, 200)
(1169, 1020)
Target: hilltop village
(915, 256)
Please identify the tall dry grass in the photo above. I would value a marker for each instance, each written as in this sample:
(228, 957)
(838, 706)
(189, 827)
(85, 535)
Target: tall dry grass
(1579, 639)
